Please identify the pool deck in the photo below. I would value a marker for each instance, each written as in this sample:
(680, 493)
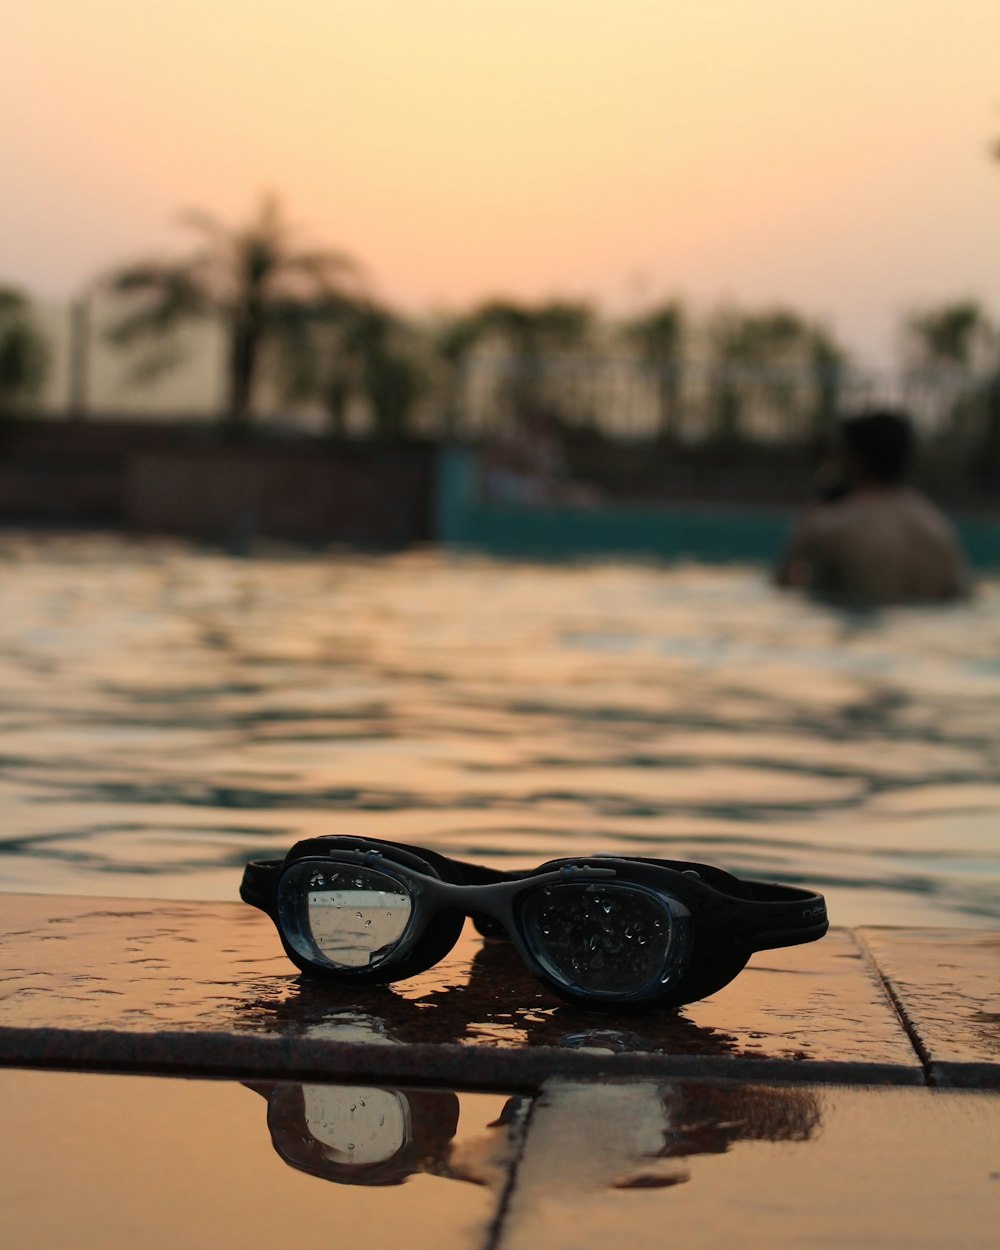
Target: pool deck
(843, 1093)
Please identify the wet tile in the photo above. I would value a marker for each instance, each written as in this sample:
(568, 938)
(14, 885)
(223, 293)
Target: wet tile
(98, 1161)
(815, 1004)
(205, 987)
(701, 1165)
(946, 983)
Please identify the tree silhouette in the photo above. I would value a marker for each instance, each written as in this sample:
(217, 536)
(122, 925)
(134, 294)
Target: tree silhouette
(254, 278)
(948, 348)
(538, 342)
(363, 353)
(828, 364)
(948, 335)
(454, 341)
(658, 338)
(774, 363)
(24, 354)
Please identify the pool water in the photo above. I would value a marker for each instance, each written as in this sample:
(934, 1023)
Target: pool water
(167, 712)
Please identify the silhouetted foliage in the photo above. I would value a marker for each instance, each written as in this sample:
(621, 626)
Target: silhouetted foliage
(658, 338)
(254, 278)
(363, 355)
(829, 366)
(535, 340)
(391, 379)
(771, 365)
(24, 353)
(948, 335)
(952, 354)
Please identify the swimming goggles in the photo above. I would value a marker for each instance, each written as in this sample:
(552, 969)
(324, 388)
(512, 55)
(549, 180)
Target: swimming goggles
(598, 930)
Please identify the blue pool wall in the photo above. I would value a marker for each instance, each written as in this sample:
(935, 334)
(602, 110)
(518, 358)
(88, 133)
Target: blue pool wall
(713, 533)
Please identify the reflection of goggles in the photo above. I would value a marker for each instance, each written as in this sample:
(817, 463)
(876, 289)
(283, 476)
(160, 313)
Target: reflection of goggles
(359, 911)
(360, 1135)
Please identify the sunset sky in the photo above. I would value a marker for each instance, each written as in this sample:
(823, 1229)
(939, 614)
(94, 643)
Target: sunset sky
(833, 157)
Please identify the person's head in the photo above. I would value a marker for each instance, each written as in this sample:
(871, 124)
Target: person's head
(878, 445)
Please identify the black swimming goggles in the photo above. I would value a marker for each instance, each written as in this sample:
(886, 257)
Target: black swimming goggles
(600, 930)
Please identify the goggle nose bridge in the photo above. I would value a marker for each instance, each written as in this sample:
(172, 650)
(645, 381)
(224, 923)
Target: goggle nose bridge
(490, 898)
(493, 899)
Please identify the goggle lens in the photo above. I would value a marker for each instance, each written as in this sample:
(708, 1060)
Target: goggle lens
(600, 939)
(345, 916)
(356, 1126)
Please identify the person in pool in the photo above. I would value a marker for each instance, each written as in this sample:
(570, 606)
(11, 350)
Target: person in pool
(873, 539)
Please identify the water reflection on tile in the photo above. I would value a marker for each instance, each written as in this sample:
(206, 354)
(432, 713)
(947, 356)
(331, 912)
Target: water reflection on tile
(100, 1162)
(382, 1135)
(697, 1166)
(643, 1134)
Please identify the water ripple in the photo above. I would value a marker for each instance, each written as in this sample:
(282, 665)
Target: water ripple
(167, 712)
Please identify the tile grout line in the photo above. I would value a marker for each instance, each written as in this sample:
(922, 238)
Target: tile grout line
(897, 1005)
(494, 1231)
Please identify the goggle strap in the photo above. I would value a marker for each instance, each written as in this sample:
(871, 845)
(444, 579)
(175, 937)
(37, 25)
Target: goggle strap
(781, 915)
(259, 886)
(717, 878)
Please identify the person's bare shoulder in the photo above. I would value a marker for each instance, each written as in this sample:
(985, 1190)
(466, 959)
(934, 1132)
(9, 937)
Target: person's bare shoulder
(954, 579)
(808, 537)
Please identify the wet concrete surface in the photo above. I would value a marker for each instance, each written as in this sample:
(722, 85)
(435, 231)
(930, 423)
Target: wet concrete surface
(704, 1166)
(946, 987)
(197, 987)
(100, 1160)
(466, 1109)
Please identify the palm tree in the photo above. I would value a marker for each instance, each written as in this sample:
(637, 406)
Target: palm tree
(947, 336)
(658, 337)
(734, 340)
(454, 340)
(392, 378)
(944, 346)
(829, 365)
(24, 353)
(254, 278)
(530, 339)
(363, 353)
(535, 337)
(772, 360)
